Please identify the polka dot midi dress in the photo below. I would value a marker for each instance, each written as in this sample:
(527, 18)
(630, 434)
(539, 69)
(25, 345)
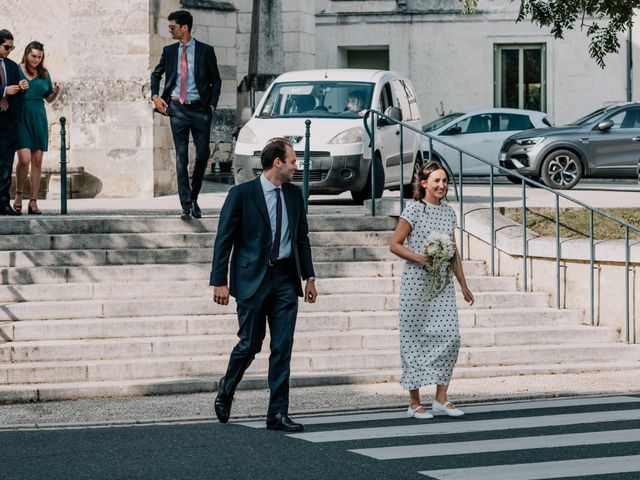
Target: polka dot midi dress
(429, 331)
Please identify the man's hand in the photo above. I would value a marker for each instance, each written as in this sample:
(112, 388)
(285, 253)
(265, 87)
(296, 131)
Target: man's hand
(12, 89)
(213, 110)
(310, 293)
(221, 295)
(160, 104)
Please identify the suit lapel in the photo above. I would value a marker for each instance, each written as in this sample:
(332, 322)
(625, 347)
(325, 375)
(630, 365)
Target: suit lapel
(260, 201)
(196, 58)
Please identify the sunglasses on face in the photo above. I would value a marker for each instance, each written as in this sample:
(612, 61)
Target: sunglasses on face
(8, 48)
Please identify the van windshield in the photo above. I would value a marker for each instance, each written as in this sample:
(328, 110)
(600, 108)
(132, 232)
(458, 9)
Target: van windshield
(318, 99)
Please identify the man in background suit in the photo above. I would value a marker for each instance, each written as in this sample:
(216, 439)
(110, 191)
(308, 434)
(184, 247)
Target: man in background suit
(264, 223)
(190, 97)
(11, 93)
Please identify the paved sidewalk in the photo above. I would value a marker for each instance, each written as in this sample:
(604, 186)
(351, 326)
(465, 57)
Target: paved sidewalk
(250, 403)
(600, 195)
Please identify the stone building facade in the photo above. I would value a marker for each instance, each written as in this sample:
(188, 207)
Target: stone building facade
(102, 52)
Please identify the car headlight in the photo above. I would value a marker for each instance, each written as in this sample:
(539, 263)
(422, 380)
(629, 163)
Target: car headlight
(246, 135)
(530, 141)
(353, 135)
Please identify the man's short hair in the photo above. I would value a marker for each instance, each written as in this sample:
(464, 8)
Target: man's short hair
(275, 148)
(182, 17)
(5, 35)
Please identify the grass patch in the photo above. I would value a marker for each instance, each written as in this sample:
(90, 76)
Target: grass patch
(574, 222)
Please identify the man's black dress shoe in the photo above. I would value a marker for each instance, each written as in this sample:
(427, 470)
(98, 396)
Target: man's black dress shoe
(7, 210)
(222, 408)
(195, 209)
(282, 421)
(186, 214)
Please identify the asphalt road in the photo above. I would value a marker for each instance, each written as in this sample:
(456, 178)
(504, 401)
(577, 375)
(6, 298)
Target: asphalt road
(582, 438)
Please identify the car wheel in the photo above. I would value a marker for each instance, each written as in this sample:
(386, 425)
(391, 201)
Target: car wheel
(513, 179)
(407, 190)
(561, 170)
(365, 193)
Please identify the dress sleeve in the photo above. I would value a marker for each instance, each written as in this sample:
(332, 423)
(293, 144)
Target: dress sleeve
(409, 213)
(48, 87)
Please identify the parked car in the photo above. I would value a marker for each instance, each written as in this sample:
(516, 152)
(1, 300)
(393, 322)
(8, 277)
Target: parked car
(335, 102)
(480, 132)
(603, 144)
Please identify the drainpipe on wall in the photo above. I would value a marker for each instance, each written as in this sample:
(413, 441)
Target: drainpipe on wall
(629, 66)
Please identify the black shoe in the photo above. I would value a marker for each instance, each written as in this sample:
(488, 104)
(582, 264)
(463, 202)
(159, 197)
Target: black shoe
(195, 208)
(7, 210)
(282, 421)
(186, 214)
(222, 408)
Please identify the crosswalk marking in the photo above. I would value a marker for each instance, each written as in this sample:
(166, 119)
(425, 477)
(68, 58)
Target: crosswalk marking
(464, 426)
(506, 444)
(543, 470)
(499, 407)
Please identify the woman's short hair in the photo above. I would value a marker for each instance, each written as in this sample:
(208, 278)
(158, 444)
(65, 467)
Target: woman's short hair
(275, 148)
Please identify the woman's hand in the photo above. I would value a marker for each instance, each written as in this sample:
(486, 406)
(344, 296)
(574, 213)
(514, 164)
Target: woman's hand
(467, 295)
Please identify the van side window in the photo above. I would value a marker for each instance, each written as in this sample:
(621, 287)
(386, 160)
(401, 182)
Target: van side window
(406, 100)
(386, 100)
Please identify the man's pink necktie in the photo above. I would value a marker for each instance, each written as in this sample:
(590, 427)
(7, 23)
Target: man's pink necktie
(4, 102)
(183, 75)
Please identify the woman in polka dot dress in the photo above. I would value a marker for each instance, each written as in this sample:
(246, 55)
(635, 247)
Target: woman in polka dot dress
(429, 333)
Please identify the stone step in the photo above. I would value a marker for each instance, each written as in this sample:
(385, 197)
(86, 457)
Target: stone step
(201, 288)
(122, 327)
(353, 341)
(42, 392)
(194, 271)
(303, 362)
(204, 306)
(120, 241)
(131, 256)
(90, 224)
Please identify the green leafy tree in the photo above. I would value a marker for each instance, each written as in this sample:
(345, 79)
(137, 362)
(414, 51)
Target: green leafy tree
(603, 20)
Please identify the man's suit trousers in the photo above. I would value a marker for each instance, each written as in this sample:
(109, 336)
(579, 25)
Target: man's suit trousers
(275, 302)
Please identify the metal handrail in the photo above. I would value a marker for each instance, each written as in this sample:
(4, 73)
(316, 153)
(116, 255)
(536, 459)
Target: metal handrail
(373, 114)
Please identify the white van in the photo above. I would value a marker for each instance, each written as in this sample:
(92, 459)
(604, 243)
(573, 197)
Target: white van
(340, 152)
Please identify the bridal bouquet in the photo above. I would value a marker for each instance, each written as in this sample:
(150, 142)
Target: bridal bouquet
(438, 252)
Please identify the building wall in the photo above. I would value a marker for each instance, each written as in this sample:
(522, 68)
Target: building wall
(99, 53)
(449, 56)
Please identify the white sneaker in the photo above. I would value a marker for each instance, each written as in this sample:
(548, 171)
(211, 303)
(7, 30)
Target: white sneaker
(414, 413)
(447, 408)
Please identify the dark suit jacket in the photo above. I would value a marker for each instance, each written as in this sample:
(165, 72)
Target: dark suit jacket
(9, 121)
(244, 227)
(207, 76)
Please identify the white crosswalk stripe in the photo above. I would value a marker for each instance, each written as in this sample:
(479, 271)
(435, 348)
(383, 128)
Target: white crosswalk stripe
(533, 427)
(542, 471)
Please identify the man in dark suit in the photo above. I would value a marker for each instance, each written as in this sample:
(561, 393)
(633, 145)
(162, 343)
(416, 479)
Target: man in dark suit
(263, 228)
(190, 97)
(11, 93)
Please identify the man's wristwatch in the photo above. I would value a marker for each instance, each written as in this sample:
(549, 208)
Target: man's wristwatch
(313, 279)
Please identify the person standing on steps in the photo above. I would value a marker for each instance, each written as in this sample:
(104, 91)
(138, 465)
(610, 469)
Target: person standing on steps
(263, 237)
(11, 95)
(190, 97)
(429, 331)
(33, 128)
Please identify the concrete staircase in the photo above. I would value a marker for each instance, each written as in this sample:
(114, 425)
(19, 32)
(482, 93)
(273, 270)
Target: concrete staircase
(94, 306)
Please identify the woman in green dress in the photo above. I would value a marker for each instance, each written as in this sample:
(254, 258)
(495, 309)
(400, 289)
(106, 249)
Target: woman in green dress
(33, 129)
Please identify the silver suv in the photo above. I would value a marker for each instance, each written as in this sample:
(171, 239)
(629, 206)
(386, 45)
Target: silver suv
(603, 144)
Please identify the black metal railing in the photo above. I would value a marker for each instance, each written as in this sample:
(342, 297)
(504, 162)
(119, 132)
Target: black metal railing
(370, 125)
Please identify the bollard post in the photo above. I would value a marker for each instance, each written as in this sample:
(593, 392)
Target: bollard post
(63, 166)
(305, 173)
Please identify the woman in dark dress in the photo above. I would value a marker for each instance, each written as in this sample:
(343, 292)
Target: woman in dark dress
(33, 129)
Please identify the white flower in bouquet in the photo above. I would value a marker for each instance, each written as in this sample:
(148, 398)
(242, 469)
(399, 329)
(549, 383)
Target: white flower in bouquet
(439, 251)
